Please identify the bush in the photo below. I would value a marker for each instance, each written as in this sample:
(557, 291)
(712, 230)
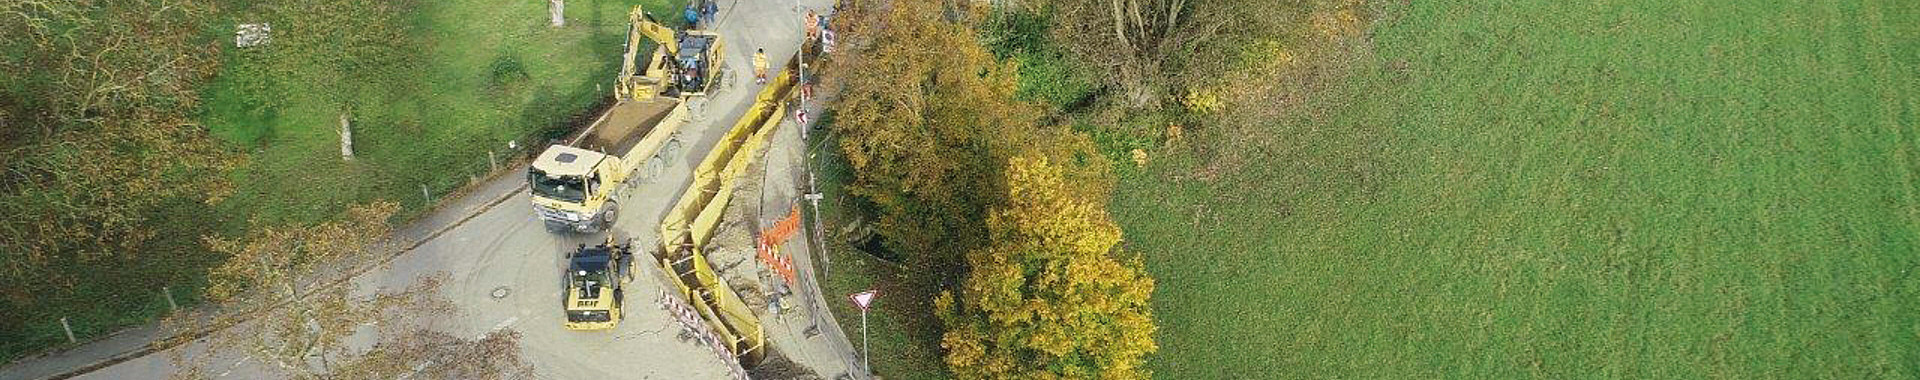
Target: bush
(1046, 74)
(1050, 298)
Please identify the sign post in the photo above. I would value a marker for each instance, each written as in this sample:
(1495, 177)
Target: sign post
(862, 299)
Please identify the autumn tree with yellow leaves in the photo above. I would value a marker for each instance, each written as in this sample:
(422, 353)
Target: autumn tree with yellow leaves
(970, 182)
(924, 114)
(1051, 296)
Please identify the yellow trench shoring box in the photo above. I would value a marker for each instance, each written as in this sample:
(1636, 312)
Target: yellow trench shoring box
(688, 226)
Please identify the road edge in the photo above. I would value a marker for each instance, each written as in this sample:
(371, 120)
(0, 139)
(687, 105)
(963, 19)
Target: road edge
(175, 340)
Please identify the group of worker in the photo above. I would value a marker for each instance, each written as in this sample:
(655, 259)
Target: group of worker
(701, 14)
(816, 28)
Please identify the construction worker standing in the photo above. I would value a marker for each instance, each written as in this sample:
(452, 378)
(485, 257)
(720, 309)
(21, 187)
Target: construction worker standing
(693, 17)
(760, 66)
(711, 10)
(813, 24)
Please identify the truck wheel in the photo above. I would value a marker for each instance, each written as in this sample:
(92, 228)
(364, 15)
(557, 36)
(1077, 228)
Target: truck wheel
(672, 149)
(607, 217)
(655, 167)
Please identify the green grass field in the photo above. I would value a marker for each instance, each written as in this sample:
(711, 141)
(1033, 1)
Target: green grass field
(1547, 189)
(432, 88)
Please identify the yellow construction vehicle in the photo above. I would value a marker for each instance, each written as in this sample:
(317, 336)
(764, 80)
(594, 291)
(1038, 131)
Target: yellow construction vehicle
(594, 281)
(684, 63)
(575, 187)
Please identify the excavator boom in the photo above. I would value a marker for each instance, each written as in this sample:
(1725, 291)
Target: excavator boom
(632, 76)
(684, 64)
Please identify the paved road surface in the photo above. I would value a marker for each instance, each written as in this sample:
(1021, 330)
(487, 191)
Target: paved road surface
(504, 246)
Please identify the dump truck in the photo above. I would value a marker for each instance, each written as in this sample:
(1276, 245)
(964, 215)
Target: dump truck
(575, 187)
(595, 278)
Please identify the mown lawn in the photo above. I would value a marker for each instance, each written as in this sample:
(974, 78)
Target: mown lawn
(432, 87)
(1549, 189)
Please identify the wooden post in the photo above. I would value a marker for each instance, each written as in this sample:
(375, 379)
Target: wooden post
(346, 138)
(425, 194)
(493, 164)
(558, 9)
(171, 306)
(69, 328)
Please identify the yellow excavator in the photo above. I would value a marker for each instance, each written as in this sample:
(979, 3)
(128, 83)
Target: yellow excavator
(685, 64)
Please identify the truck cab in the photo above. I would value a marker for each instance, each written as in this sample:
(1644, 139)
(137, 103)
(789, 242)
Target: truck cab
(594, 281)
(574, 189)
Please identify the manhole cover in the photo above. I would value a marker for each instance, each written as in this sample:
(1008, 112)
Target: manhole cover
(501, 292)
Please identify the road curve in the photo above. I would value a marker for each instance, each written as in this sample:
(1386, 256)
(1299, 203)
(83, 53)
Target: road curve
(502, 246)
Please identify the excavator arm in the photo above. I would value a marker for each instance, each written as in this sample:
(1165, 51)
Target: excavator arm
(631, 77)
(645, 26)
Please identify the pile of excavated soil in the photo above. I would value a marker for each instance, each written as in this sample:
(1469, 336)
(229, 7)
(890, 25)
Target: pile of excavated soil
(732, 250)
(778, 367)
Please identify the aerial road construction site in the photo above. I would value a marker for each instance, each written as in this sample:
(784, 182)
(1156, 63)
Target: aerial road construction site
(654, 243)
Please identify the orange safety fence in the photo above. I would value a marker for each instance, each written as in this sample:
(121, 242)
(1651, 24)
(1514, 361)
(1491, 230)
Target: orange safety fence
(770, 240)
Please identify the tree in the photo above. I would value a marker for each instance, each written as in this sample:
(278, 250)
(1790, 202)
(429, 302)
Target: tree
(280, 261)
(288, 313)
(1149, 48)
(269, 279)
(430, 354)
(1051, 297)
(924, 112)
(312, 341)
(104, 175)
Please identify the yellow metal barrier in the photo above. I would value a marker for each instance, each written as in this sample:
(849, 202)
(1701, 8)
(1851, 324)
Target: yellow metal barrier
(691, 223)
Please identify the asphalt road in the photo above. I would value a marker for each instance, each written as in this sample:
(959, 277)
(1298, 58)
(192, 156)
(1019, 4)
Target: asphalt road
(504, 246)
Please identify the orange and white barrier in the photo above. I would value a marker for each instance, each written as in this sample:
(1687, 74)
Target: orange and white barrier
(770, 241)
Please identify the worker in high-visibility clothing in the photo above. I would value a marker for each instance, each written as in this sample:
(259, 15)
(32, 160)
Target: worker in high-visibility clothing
(760, 66)
(813, 24)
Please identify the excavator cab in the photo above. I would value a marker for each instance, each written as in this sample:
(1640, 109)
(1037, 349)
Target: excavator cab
(694, 62)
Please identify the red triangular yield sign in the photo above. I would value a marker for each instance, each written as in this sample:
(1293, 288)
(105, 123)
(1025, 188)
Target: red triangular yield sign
(862, 299)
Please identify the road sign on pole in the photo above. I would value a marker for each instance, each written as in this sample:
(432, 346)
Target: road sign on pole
(862, 299)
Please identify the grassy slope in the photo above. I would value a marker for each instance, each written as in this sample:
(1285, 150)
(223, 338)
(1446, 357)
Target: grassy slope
(903, 335)
(489, 72)
(1624, 189)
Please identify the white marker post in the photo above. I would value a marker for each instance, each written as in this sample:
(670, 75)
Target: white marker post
(862, 299)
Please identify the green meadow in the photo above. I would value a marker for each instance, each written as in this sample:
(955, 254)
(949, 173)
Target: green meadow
(1548, 189)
